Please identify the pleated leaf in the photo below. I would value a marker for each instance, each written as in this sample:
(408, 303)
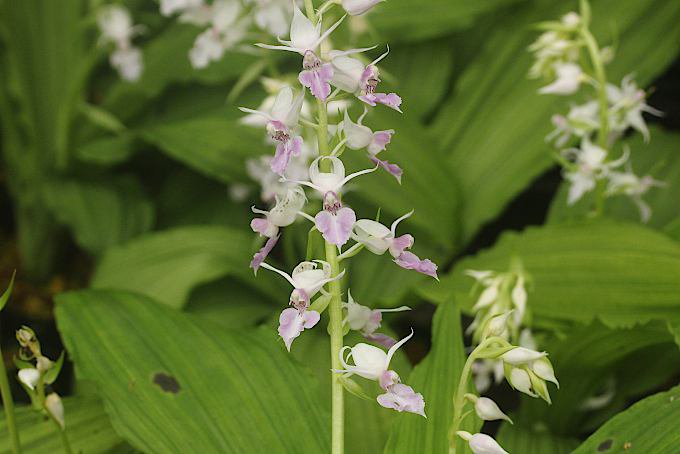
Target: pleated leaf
(620, 273)
(649, 426)
(87, 428)
(172, 382)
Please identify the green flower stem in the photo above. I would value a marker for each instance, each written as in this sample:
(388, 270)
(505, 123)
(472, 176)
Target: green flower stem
(8, 403)
(601, 78)
(459, 396)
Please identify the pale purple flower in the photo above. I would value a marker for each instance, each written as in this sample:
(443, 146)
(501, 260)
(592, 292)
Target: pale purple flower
(335, 222)
(304, 36)
(367, 321)
(358, 7)
(410, 261)
(369, 83)
(307, 279)
(360, 136)
(392, 169)
(316, 75)
(370, 362)
(282, 214)
(285, 109)
(262, 254)
(332, 181)
(292, 322)
(287, 146)
(402, 397)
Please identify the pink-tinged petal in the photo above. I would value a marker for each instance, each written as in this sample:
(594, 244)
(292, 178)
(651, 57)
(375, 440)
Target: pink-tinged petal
(391, 100)
(263, 227)
(292, 323)
(410, 261)
(336, 228)
(295, 146)
(281, 158)
(381, 339)
(388, 378)
(369, 99)
(262, 254)
(370, 72)
(401, 397)
(380, 141)
(373, 322)
(317, 80)
(392, 169)
(400, 244)
(311, 318)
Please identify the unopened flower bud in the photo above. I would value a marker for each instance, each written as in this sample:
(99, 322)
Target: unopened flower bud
(497, 326)
(481, 443)
(43, 364)
(543, 368)
(539, 386)
(54, 405)
(26, 336)
(487, 409)
(519, 379)
(358, 7)
(29, 377)
(521, 355)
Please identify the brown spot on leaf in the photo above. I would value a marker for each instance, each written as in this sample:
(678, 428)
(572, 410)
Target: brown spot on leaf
(167, 383)
(605, 445)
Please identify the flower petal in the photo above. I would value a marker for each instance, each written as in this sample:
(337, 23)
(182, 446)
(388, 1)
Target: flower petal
(403, 398)
(410, 261)
(336, 228)
(262, 254)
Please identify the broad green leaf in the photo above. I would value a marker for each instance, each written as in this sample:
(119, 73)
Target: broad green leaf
(436, 378)
(416, 20)
(621, 273)
(421, 73)
(87, 428)
(172, 382)
(659, 158)
(106, 151)
(214, 146)
(649, 426)
(427, 186)
(166, 265)
(674, 328)
(493, 128)
(100, 213)
(524, 440)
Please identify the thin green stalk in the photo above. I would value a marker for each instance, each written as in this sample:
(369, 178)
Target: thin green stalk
(64, 438)
(601, 78)
(8, 403)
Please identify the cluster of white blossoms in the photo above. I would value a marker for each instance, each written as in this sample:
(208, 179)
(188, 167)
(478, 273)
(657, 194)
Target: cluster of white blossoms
(503, 348)
(116, 28)
(309, 135)
(606, 116)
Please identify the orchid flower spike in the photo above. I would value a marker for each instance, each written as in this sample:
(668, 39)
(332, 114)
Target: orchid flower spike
(379, 239)
(304, 35)
(332, 181)
(282, 214)
(367, 321)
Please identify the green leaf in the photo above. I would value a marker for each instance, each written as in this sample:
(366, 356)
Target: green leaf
(436, 378)
(52, 374)
(87, 428)
(524, 440)
(8, 292)
(214, 146)
(649, 426)
(493, 129)
(621, 273)
(106, 151)
(100, 213)
(406, 20)
(658, 158)
(175, 383)
(166, 265)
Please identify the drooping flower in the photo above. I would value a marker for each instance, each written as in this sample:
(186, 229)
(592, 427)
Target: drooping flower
(359, 137)
(293, 321)
(332, 181)
(316, 75)
(370, 79)
(487, 409)
(282, 120)
(307, 279)
(569, 79)
(373, 363)
(627, 105)
(481, 443)
(54, 405)
(282, 214)
(367, 321)
(358, 7)
(335, 222)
